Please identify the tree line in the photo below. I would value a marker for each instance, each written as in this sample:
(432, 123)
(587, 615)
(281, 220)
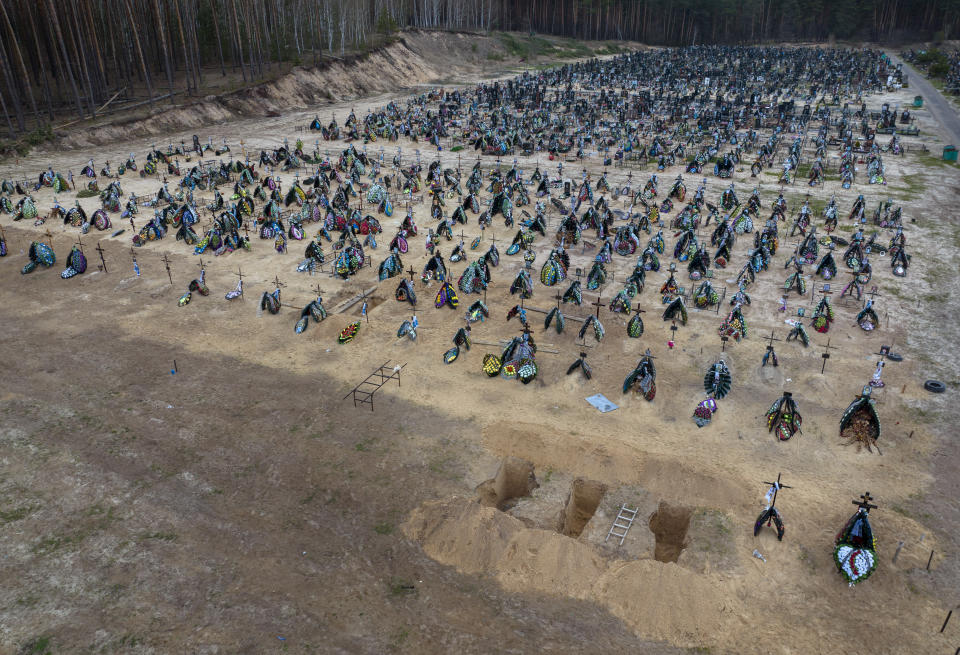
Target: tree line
(75, 57)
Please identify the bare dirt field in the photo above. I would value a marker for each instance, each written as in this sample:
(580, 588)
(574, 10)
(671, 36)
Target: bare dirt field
(242, 505)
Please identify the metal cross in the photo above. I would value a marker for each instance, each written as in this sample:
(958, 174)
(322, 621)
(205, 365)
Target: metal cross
(103, 262)
(776, 487)
(864, 502)
(826, 355)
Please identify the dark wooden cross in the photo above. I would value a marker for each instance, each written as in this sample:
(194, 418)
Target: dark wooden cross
(873, 293)
(864, 502)
(201, 265)
(277, 282)
(527, 330)
(103, 262)
(49, 236)
(598, 305)
(559, 297)
(776, 487)
(318, 291)
(826, 355)
(640, 311)
(246, 231)
(79, 243)
(771, 339)
(673, 329)
(724, 339)
(578, 273)
(411, 272)
(166, 262)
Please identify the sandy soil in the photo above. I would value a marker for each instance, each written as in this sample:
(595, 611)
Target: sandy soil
(242, 500)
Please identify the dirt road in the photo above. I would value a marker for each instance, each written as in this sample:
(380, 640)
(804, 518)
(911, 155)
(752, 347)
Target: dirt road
(947, 118)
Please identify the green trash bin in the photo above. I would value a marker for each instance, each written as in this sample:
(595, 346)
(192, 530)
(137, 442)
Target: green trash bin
(918, 101)
(950, 153)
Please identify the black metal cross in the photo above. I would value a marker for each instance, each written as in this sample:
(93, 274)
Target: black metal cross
(826, 355)
(103, 262)
(776, 487)
(864, 502)
(598, 305)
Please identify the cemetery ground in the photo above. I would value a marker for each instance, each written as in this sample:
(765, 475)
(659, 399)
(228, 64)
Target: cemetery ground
(240, 504)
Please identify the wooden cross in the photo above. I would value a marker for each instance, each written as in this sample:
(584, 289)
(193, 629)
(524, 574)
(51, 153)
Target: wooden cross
(673, 329)
(80, 243)
(103, 262)
(201, 265)
(873, 293)
(411, 272)
(559, 297)
(527, 330)
(578, 273)
(598, 305)
(239, 274)
(826, 355)
(772, 338)
(776, 487)
(864, 502)
(49, 236)
(318, 290)
(363, 307)
(166, 262)
(277, 282)
(724, 339)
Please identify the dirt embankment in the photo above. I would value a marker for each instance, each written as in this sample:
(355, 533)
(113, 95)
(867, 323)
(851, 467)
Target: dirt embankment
(415, 58)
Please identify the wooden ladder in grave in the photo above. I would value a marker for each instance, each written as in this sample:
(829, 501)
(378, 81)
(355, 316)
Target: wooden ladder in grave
(621, 524)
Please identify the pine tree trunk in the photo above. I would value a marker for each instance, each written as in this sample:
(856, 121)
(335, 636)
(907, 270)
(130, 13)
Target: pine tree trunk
(52, 15)
(23, 69)
(216, 29)
(161, 21)
(136, 40)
